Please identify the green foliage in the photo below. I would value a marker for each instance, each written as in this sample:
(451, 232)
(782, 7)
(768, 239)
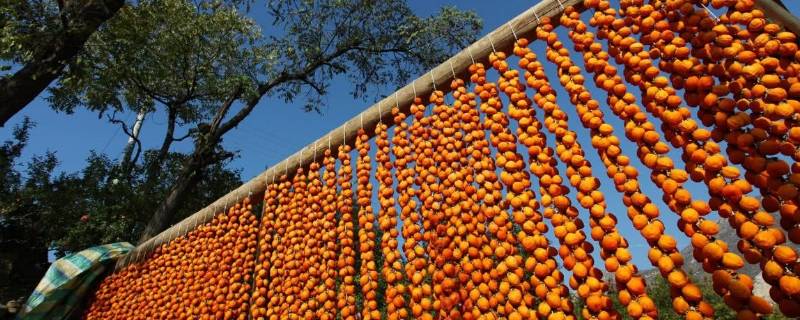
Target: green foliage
(20, 203)
(380, 42)
(168, 51)
(24, 26)
(199, 61)
(44, 211)
(116, 209)
(197, 55)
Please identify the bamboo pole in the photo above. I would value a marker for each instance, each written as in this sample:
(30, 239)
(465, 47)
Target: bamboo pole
(778, 14)
(439, 78)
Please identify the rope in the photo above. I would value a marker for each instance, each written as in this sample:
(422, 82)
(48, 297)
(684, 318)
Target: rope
(512, 30)
(469, 50)
(714, 16)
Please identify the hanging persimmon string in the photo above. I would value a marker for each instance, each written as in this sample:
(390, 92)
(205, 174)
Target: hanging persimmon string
(419, 268)
(392, 266)
(558, 209)
(729, 193)
(474, 219)
(504, 298)
(266, 233)
(452, 181)
(313, 218)
(532, 222)
(300, 252)
(347, 256)
(327, 289)
(437, 235)
(766, 101)
(368, 274)
(295, 252)
(275, 298)
(464, 206)
(614, 247)
(644, 215)
(482, 164)
(462, 233)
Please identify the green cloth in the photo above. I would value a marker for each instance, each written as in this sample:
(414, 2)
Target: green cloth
(69, 279)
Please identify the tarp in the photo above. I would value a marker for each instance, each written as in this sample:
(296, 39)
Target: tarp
(69, 279)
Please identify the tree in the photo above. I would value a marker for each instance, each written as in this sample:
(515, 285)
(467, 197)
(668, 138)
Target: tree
(42, 36)
(22, 257)
(214, 65)
(43, 212)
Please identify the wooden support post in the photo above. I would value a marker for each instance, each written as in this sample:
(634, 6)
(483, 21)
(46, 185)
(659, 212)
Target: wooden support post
(779, 15)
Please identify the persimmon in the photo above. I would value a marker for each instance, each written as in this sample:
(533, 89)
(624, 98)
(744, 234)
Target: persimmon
(345, 230)
(760, 305)
(444, 246)
(165, 285)
(637, 120)
(326, 289)
(368, 274)
(790, 285)
(266, 236)
(387, 221)
(651, 232)
(522, 200)
(418, 269)
(473, 228)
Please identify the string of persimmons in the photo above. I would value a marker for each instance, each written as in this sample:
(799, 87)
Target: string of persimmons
(472, 226)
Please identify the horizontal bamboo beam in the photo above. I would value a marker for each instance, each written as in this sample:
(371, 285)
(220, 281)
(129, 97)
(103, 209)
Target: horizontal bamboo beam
(501, 39)
(780, 15)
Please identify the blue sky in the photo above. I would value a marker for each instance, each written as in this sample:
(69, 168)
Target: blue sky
(276, 130)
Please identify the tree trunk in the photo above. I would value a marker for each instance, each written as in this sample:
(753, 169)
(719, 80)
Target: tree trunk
(160, 220)
(128, 151)
(154, 169)
(204, 154)
(21, 88)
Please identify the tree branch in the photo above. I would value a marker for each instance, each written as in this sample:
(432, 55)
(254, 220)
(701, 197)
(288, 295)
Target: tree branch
(281, 79)
(172, 115)
(307, 80)
(124, 127)
(62, 14)
(155, 96)
(188, 134)
(20, 89)
(204, 152)
(215, 123)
